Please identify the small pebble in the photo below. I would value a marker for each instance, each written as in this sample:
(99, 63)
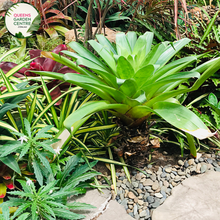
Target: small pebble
(131, 195)
(180, 162)
(186, 164)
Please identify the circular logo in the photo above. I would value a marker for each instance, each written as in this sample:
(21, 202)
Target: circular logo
(22, 19)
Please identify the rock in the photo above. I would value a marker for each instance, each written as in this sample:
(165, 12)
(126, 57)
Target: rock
(131, 195)
(217, 169)
(156, 203)
(148, 182)
(126, 193)
(203, 168)
(163, 175)
(124, 202)
(191, 162)
(123, 186)
(130, 207)
(163, 188)
(198, 167)
(153, 177)
(165, 183)
(158, 195)
(140, 202)
(138, 177)
(186, 164)
(70, 35)
(180, 162)
(149, 171)
(155, 185)
(215, 164)
(181, 173)
(150, 199)
(174, 184)
(135, 199)
(135, 184)
(172, 175)
(143, 213)
(139, 191)
(140, 186)
(197, 198)
(168, 169)
(201, 159)
(210, 161)
(135, 208)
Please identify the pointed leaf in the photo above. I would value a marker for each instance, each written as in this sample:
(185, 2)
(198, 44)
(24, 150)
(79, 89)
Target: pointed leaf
(182, 118)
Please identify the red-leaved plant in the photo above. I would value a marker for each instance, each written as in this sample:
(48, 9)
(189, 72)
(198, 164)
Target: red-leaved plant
(42, 64)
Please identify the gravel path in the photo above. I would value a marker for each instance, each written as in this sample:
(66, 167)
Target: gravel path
(148, 191)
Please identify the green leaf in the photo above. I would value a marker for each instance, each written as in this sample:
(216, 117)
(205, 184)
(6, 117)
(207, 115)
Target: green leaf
(34, 210)
(122, 45)
(213, 99)
(11, 51)
(170, 52)
(48, 209)
(129, 87)
(105, 55)
(79, 206)
(24, 216)
(21, 209)
(19, 35)
(90, 108)
(11, 162)
(73, 161)
(67, 214)
(10, 148)
(35, 24)
(182, 118)
(124, 68)
(6, 107)
(44, 161)
(7, 126)
(209, 28)
(25, 149)
(132, 39)
(142, 75)
(106, 43)
(18, 92)
(37, 172)
(83, 177)
(144, 40)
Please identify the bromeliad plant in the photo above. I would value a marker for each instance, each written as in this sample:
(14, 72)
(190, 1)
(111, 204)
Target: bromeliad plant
(136, 81)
